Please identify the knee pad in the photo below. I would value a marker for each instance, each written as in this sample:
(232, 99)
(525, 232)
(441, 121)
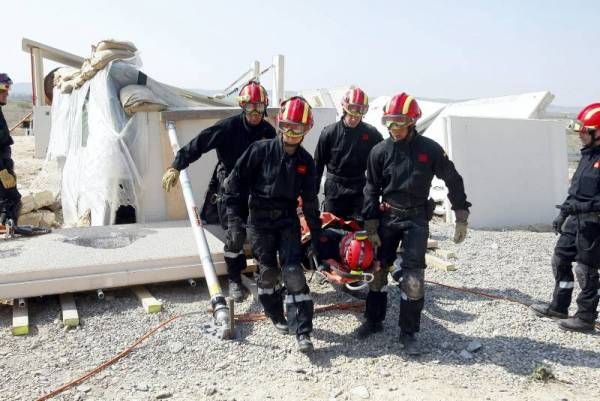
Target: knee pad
(293, 278)
(268, 277)
(413, 284)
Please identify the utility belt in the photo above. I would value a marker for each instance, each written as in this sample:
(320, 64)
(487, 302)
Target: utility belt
(401, 212)
(346, 180)
(270, 214)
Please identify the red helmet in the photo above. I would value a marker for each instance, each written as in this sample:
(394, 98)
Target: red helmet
(355, 102)
(295, 117)
(356, 251)
(401, 110)
(588, 120)
(253, 92)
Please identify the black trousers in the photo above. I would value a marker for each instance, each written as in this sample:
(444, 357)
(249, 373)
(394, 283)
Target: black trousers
(580, 243)
(346, 207)
(274, 239)
(413, 233)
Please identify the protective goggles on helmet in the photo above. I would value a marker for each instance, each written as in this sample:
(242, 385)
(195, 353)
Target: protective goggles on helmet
(254, 108)
(398, 121)
(292, 129)
(4, 87)
(577, 127)
(356, 110)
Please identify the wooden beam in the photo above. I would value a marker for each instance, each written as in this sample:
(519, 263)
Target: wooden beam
(432, 244)
(438, 263)
(150, 304)
(20, 325)
(70, 317)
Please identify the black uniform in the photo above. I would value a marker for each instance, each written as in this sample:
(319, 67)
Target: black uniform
(230, 137)
(274, 181)
(344, 151)
(580, 241)
(10, 198)
(401, 173)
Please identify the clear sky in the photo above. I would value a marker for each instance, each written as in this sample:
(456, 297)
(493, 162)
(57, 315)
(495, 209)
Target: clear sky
(437, 49)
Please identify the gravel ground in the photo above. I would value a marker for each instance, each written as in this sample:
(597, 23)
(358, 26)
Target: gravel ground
(181, 363)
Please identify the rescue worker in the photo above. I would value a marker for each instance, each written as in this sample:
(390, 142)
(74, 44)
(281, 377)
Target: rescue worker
(10, 198)
(230, 137)
(578, 224)
(344, 148)
(400, 170)
(275, 173)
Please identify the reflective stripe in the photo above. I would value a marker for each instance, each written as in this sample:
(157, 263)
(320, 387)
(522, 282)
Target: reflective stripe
(305, 115)
(229, 254)
(267, 291)
(292, 299)
(599, 292)
(407, 103)
(590, 113)
(566, 284)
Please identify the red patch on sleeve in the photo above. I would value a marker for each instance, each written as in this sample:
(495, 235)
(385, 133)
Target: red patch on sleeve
(365, 137)
(423, 157)
(301, 169)
(597, 164)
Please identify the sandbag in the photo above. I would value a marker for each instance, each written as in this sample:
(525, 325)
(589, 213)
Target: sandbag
(102, 57)
(112, 44)
(65, 74)
(136, 98)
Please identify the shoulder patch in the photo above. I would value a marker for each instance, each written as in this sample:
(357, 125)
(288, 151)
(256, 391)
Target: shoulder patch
(422, 157)
(365, 137)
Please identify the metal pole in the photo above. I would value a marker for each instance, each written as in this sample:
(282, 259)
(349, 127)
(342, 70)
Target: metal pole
(255, 69)
(278, 78)
(221, 312)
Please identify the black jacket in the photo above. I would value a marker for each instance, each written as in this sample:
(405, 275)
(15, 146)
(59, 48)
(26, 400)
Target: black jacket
(401, 173)
(230, 137)
(5, 142)
(344, 151)
(585, 184)
(274, 180)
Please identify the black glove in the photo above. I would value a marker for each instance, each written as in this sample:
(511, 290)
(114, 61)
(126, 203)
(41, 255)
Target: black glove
(570, 209)
(236, 234)
(558, 222)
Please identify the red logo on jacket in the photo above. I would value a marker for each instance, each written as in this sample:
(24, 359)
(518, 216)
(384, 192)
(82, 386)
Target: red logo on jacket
(597, 164)
(365, 137)
(301, 169)
(423, 157)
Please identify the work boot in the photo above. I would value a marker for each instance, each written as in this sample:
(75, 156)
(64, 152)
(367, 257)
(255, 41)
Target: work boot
(543, 310)
(576, 324)
(411, 344)
(281, 325)
(304, 344)
(367, 328)
(237, 291)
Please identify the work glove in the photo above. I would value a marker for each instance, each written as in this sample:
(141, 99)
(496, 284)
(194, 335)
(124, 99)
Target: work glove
(170, 178)
(371, 227)
(8, 180)
(558, 222)
(236, 234)
(460, 226)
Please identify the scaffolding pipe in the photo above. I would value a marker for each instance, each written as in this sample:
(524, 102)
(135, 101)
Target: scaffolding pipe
(278, 79)
(221, 312)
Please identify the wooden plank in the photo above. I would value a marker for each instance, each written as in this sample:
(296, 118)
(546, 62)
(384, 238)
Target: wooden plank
(432, 244)
(150, 304)
(173, 199)
(445, 254)
(20, 325)
(70, 317)
(438, 263)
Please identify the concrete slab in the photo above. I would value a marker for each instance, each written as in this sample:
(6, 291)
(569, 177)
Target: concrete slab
(81, 259)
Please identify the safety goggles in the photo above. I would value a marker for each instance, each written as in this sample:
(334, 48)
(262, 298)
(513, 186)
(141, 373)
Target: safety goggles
(292, 129)
(356, 110)
(399, 121)
(4, 87)
(254, 108)
(577, 127)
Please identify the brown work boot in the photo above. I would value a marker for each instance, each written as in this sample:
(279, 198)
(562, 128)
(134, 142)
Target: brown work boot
(543, 310)
(576, 324)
